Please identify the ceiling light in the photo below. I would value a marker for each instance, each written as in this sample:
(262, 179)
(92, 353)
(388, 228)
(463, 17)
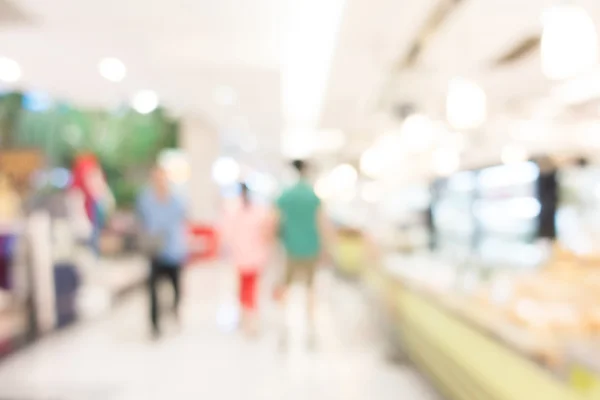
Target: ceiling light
(344, 176)
(306, 60)
(297, 143)
(417, 132)
(466, 104)
(371, 163)
(323, 189)
(445, 161)
(226, 171)
(514, 154)
(10, 71)
(112, 69)
(569, 42)
(145, 101)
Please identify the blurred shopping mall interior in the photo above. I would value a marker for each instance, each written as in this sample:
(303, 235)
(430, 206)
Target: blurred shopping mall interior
(454, 146)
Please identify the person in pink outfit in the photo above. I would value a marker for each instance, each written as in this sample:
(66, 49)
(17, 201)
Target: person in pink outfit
(248, 234)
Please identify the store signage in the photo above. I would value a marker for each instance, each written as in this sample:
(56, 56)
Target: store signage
(19, 165)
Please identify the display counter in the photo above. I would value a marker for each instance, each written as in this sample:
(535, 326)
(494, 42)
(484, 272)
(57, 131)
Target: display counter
(463, 349)
(584, 369)
(349, 252)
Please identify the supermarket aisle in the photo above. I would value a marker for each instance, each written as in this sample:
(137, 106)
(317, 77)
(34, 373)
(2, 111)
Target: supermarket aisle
(114, 359)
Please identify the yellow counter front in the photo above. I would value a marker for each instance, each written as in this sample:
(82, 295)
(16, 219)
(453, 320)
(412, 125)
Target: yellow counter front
(464, 361)
(350, 255)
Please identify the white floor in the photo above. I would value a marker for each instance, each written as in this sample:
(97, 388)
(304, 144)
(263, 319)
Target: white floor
(113, 359)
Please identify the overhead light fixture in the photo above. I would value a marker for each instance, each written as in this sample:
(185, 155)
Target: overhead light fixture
(226, 171)
(10, 71)
(466, 104)
(371, 163)
(344, 176)
(569, 43)
(306, 62)
(145, 101)
(418, 132)
(512, 154)
(445, 161)
(112, 69)
(323, 189)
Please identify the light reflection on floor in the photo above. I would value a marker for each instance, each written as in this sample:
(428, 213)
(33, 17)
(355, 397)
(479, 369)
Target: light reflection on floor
(114, 359)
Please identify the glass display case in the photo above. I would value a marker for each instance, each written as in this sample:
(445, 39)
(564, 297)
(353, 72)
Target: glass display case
(578, 214)
(506, 212)
(408, 212)
(452, 213)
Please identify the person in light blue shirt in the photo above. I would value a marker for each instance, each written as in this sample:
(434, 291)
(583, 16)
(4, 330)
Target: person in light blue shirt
(162, 215)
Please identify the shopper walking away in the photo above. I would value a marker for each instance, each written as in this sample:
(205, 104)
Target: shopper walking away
(302, 227)
(163, 222)
(248, 235)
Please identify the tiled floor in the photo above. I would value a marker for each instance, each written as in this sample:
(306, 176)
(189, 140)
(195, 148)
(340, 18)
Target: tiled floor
(113, 359)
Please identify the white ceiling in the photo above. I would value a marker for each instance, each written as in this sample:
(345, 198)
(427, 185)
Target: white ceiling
(367, 81)
(185, 49)
(182, 49)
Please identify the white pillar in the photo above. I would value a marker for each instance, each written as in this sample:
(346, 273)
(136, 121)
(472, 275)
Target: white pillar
(200, 141)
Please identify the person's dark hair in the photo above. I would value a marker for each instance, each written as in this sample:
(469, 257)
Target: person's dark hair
(300, 166)
(245, 193)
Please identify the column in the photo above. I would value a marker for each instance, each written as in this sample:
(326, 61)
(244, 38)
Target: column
(200, 141)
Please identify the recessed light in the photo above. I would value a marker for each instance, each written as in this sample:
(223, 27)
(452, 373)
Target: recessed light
(10, 71)
(112, 69)
(145, 101)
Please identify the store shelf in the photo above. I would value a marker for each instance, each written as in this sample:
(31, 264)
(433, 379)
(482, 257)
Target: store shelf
(469, 354)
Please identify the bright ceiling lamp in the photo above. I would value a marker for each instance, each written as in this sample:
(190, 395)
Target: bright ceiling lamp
(382, 155)
(310, 32)
(417, 133)
(371, 163)
(512, 154)
(323, 189)
(10, 71)
(226, 171)
(112, 69)
(343, 176)
(569, 42)
(145, 101)
(466, 104)
(445, 161)
(298, 143)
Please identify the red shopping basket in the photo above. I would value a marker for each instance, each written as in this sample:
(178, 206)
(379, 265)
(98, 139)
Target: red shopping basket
(203, 243)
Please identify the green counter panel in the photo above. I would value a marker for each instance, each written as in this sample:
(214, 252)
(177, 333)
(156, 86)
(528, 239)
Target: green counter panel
(467, 363)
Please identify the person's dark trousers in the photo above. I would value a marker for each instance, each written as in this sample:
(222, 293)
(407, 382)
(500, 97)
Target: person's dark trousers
(158, 269)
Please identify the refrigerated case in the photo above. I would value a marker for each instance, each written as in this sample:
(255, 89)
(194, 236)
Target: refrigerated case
(507, 213)
(407, 212)
(578, 214)
(452, 214)
(491, 217)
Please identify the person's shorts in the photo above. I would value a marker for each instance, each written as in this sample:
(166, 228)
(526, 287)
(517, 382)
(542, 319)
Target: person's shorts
(304, 269)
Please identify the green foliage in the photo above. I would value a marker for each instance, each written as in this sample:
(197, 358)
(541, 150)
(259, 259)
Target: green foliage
(125, 142)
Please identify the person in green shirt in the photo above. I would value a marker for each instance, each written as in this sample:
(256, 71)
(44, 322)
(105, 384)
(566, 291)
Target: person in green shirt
(301, 231)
